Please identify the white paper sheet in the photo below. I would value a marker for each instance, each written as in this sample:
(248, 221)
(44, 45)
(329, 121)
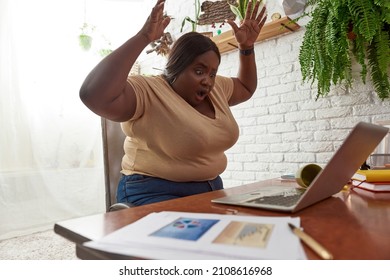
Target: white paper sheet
(182, 235)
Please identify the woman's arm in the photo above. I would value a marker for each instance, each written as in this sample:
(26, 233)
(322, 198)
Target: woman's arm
(246, 82)
(105, 90)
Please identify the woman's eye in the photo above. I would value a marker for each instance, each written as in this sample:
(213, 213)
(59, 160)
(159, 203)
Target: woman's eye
(198, 72)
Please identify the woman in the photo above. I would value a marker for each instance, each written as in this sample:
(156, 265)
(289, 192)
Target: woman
(178, 125)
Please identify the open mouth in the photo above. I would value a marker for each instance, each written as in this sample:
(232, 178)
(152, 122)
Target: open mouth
(201, 95)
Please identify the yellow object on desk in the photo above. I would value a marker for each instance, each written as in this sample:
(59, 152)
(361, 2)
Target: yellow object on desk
(372, 175)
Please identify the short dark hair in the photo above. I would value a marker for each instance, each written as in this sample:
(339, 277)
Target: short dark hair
(185, 50)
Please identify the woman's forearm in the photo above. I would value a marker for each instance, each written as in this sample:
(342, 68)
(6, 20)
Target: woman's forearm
(247, 71)
(105, 90)
(107, 80)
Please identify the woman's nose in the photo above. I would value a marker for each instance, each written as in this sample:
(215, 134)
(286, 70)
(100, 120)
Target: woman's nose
(207, 81)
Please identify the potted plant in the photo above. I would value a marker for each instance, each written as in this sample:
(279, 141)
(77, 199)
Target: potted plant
(193, 22)
(106, 48)
(85, 38)
(340, 31)
(238, 7)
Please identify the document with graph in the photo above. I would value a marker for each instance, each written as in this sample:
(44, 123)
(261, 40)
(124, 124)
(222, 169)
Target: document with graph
(182, 235)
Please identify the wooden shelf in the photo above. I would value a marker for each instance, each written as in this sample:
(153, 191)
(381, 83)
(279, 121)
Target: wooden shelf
(227, 42)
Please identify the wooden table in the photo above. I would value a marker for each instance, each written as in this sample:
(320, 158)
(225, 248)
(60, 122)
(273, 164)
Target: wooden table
(350, 225)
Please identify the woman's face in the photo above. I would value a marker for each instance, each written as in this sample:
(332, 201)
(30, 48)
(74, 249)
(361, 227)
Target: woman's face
(197, 80)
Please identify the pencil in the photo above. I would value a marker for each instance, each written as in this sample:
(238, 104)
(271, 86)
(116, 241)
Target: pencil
(311, 243)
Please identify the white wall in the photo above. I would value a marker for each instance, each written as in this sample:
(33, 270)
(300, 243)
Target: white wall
(283, 126)
(51, 158)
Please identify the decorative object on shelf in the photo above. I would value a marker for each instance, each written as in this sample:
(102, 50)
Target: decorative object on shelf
(293, 8)
(276, 16)
(215, 12)
(161, 46)
(227, 42)
(85, 38)
(326, 52)
(207, 34)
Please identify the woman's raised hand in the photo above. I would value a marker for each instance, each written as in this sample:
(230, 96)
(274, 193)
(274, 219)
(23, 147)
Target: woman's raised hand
(247, 33)
(156, 23)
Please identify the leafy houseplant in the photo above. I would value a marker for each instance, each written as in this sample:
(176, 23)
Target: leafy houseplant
(194, 22)
(85, 38)
(340, 30)
(238, 7)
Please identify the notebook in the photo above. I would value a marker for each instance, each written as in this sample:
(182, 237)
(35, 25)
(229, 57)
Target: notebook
(353, 152)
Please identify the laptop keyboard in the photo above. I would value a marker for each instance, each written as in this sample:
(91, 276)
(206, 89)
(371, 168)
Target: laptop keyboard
(281, 200)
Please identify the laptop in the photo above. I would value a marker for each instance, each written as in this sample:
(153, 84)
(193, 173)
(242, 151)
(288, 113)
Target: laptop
(353, 152)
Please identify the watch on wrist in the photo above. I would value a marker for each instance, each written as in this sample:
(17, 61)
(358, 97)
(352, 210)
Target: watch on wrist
(247, 51)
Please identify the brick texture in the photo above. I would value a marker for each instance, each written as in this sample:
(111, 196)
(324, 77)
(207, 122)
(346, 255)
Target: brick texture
(284, 126)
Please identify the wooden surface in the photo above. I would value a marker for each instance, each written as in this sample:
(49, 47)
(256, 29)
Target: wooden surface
(227, 42)
(350, 225)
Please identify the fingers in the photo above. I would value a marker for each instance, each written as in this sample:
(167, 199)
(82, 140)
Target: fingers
(157, 11)
(166, 21)
(262, 22)
(248, 12)
(159, 2)
(156, 22)
(252, 14)
(233, 25)
(260, 17)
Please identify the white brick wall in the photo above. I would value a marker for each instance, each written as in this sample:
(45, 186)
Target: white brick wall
(283, 126)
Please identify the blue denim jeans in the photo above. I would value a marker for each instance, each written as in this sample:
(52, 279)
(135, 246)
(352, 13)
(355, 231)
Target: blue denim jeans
(140, 189)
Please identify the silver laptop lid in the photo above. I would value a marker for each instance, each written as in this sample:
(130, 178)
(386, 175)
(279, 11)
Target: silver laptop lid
(355, 149)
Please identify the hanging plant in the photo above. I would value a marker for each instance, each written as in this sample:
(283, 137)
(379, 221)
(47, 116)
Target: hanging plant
(104, 52)
(85, 38)
(340, 30)
(106, 48)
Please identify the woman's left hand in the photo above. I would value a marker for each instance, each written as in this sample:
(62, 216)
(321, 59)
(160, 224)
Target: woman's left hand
(247, 33)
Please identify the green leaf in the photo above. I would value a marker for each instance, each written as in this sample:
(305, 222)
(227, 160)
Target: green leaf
(325, 53)
(379, 79)
(236, 11)
(366, 20)
(188, 19)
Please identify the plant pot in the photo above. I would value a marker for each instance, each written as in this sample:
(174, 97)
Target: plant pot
(85, 42)
(351, 35)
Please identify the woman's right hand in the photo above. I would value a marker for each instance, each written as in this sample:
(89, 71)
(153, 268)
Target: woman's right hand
(105, 90)
(156, 23)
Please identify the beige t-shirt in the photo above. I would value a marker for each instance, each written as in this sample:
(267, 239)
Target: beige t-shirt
(169, 139)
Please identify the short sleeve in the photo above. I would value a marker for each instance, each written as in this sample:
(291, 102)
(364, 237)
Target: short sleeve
(140, 87)
(225, 86)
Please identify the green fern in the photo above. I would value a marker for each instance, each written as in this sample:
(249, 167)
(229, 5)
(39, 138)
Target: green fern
(365, 21)
(379, 79)
(382, 41)
(360, 55)
(325, 53)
